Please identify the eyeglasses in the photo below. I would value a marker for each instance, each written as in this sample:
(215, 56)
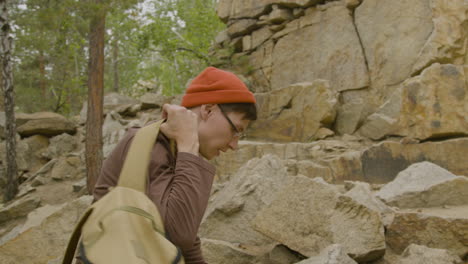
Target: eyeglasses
(237, 134)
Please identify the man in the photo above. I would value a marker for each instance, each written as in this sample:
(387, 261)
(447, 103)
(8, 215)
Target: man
(215, 110)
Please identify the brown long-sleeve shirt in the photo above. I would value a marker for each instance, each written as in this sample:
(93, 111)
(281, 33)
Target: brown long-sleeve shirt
(178, 185)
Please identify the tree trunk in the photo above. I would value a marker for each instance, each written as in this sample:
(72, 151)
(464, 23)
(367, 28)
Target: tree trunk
(95, 96)
(115, 62)
(10, 124)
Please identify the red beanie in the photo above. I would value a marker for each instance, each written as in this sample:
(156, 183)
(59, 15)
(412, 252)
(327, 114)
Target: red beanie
(215, 86)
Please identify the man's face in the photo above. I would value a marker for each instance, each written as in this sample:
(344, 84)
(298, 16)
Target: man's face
(217, 135)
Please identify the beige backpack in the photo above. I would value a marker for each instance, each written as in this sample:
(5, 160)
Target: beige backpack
(124, 226)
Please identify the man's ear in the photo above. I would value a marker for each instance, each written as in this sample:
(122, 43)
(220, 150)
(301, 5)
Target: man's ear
(206, 110)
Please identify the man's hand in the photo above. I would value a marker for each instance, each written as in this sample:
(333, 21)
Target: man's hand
(182, 126)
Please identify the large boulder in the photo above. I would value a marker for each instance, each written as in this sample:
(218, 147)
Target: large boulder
(337, 56)
(382, 162)
(308, 215)
(28, 153)
(35, 218)
(333, 254)
(431, 105)
(44, 123)
(295, 113)
(425, 185)
(431, 229)
(416, 254)
(61, 145)
(427, 31)
(362, 193)
(46, 241)
(112, 102)
(232, 209)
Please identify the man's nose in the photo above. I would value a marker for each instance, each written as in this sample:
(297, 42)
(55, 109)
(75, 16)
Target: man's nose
(234, 143)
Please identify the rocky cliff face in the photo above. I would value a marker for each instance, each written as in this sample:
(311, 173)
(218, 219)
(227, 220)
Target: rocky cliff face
(359, 154)
(396, 68)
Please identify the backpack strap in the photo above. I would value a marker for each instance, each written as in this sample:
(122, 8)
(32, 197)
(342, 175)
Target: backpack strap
(75, 237)
(135, 169)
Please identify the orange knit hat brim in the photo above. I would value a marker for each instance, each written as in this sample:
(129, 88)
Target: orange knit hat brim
(215, 86)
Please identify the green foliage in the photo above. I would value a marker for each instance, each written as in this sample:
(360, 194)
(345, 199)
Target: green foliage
(50, 73)
(180, 33)
(169, 45)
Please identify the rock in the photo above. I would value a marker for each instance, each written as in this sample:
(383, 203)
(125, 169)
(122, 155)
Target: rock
(142, 87)
(282, 255)
(64, 169)
(295, 113)
(221, 252)
(382, 162)
(345, 166)
(80, 185)
(313, 170)
(431, 105)
(231, 210)
(18, 208)
(416, 254)
(340, 60)
(333, 254)
(361, 192)
(44, 170)
(392, 45)
(221, 37)
(242, 27)
(112, 102)
(152, 100)
(60, 145)
(431, 230)
(44, 123)
(397, 49)
(29, 153)
(260, 36)
(30, 246)
(348, 116)
(309, 215)
(235, 9)
(279, 15)
(35, 218)
(25, 189)
(112, 129)
(425, 185)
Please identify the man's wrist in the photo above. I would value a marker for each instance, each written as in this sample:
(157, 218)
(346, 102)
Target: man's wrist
(190, 147)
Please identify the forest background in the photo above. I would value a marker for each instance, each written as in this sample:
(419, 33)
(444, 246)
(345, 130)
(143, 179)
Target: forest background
(163, 41)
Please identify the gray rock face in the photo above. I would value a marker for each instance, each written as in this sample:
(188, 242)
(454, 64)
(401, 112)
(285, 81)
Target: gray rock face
(340, 59)
(309, 215)
(425, 185)
(231, 210)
